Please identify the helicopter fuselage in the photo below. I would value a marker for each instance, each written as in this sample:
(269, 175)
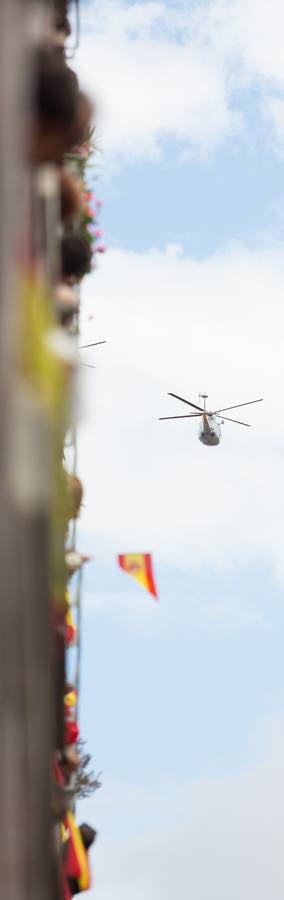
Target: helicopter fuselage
(209, 431)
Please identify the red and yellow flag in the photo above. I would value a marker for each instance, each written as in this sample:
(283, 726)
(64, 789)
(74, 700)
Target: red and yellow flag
(140, 566)
(75, 865)
(70, 627)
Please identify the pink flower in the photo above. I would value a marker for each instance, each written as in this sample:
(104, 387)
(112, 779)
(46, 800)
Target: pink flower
(82, 151)
(98, 232)
(101, 248)
(99, 204)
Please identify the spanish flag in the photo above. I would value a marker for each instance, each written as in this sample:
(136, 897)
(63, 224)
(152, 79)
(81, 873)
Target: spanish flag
(70, 627)
(140, 566)
(75, 865)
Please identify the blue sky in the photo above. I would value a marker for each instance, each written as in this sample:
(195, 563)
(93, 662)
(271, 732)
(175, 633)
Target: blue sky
(182, 703)
(194, 691)
(232, 196)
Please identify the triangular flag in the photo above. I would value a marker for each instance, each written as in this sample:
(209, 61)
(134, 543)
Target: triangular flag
(140, 566)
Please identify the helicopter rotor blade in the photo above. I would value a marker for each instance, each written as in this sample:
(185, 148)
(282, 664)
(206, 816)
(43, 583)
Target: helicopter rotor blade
(226, 419)
(189, 416)
(237, 406)
(96, 344)
(186, 401)
(88, 365)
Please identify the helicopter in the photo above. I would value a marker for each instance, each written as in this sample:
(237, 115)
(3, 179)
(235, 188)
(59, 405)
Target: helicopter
(210, 428)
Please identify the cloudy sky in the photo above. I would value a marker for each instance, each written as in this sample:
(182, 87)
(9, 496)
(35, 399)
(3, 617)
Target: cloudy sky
(182, 702)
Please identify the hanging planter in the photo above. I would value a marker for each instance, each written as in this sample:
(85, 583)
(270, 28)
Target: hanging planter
(74, 496)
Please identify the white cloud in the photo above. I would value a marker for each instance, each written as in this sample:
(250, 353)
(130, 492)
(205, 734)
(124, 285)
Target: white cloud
(151, 86)
(163, 70)
(176, 324)
(247, 34)
(216, 839)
